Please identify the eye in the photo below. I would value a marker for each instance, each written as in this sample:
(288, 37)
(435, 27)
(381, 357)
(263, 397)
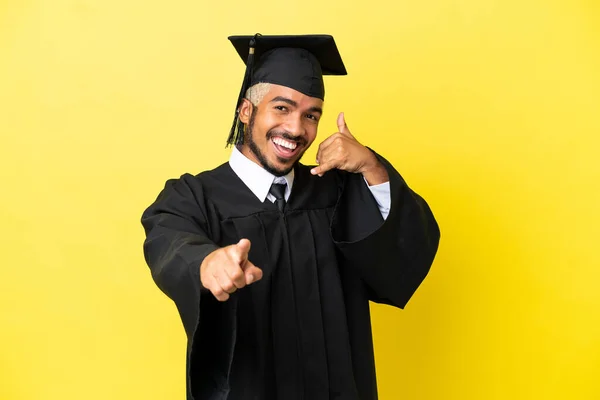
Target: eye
(281, 108)
(312, 116)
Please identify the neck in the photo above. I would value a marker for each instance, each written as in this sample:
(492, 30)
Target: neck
(245, 150)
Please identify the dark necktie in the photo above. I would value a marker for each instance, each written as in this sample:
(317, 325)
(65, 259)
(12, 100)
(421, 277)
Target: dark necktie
(278, 191)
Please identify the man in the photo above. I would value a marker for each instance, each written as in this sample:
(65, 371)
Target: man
(272, 263)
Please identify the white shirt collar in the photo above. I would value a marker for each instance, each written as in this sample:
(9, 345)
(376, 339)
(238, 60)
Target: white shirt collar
(258, 179)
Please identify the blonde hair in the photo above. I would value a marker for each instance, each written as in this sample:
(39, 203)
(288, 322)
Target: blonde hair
(257, 92)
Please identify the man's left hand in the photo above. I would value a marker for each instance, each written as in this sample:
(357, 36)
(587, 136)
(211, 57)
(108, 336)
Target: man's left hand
(342, 151)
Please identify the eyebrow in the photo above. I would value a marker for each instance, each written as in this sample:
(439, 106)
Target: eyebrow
(294, 104)
(285, 100)
(316, 109)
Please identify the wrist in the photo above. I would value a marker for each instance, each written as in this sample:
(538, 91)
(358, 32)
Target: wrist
(374, 172)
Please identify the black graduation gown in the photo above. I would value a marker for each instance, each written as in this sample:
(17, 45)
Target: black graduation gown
(303, 331)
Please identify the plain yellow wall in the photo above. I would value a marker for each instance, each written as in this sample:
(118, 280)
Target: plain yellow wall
(490, 109)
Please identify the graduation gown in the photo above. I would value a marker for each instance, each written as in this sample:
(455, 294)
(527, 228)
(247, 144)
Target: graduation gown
(303, 331)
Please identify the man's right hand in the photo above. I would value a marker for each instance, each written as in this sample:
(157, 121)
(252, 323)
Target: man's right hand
(228, 269)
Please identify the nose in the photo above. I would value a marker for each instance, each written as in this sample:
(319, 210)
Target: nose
(295, 126)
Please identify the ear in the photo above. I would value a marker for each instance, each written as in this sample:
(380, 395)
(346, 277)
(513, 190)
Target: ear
(246, 111)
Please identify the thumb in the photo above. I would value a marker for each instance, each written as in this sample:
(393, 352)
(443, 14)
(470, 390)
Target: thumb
(341, 123)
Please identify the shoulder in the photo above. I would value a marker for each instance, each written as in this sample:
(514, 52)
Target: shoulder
(188, 184)
(205, 177)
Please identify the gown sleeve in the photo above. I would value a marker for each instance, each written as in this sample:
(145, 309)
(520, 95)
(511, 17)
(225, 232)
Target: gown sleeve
(391, 256)
(178, 238)
(177, 241)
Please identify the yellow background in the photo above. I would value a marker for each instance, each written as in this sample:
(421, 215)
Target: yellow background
(490, 109)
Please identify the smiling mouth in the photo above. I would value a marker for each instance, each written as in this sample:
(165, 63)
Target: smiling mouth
(285, 148)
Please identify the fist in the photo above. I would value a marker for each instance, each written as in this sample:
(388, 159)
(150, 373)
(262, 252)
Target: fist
(342, 151)
(228, 269)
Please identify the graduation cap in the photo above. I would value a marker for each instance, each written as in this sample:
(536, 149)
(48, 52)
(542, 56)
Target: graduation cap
(297, 61)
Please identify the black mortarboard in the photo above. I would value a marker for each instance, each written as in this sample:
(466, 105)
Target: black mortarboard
(298, 62)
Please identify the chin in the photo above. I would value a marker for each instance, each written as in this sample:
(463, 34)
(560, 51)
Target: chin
(283, 165)
(281, 170)
(271, 161)
(278, 168)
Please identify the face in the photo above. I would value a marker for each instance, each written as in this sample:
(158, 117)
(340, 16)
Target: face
(280, 129)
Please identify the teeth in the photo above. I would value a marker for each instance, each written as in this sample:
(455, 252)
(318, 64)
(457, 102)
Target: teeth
(284, 143)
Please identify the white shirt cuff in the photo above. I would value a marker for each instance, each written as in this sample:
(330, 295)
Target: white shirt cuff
(382, 196)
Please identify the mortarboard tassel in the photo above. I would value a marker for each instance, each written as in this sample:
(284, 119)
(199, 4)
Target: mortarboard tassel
(236, 134)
